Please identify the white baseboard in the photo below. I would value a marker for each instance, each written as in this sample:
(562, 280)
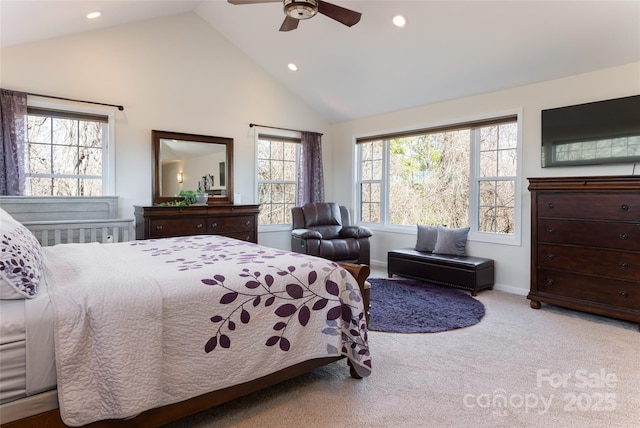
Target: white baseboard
(511, 289)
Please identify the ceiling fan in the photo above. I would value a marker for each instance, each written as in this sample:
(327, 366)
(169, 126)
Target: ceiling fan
(297, 10)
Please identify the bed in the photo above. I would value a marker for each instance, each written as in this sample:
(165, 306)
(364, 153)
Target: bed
(142, 333)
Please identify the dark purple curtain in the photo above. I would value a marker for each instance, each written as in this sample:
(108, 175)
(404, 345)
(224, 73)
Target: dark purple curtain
(13, 134)
(310, 175)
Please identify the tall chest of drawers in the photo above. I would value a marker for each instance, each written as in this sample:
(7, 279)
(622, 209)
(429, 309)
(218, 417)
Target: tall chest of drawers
(585, 244)
(234, 221)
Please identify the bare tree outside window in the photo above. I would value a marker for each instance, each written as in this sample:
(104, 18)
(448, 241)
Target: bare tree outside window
(425, 177)
(277, 179)
(498, 165)
(65, 156)
(371, 182)
(429, 179)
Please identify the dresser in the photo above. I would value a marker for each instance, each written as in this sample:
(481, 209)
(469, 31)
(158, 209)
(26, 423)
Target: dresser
(234, 221)
(585, 244)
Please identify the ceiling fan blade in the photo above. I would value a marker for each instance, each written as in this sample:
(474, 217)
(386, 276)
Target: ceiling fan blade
(289, 24)
(346, 16)
(253, 1)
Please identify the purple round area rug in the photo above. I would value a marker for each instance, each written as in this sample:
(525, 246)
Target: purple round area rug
(411, 306)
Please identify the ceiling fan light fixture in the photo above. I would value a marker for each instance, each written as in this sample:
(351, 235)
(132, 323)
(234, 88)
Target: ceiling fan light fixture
(300, 9)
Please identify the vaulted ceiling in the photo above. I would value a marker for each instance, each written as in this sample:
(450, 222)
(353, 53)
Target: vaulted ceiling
(447, 49)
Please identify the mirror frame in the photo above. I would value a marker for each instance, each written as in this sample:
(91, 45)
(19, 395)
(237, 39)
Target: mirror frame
(156, 136)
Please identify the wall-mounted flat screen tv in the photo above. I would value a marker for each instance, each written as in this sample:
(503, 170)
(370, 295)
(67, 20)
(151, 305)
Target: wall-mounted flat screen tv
(601, 132)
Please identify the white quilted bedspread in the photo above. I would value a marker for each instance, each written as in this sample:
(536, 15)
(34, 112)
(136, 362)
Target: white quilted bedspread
(147, 323)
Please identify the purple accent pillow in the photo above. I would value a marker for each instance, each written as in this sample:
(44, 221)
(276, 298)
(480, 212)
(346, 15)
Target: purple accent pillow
(20, 260)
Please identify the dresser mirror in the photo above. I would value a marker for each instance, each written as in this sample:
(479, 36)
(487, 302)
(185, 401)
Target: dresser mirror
(192, 162)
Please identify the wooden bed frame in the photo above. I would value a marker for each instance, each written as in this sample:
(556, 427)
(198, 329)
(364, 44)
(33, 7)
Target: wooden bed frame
(163, 415)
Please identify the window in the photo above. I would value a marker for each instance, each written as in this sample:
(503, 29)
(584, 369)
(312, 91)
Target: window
(277, 160)
(371, 181)
(459, 175)
(496, 182)
(67, 153)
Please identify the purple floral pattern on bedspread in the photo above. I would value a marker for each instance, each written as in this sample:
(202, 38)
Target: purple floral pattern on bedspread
(266, 279)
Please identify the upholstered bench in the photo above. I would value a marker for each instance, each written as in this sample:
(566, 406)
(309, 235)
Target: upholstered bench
(466, 272)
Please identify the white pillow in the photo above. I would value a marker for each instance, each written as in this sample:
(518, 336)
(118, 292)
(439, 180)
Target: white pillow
(20, 260)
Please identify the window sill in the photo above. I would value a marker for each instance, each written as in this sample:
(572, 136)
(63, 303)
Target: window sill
(495, 238)
(489, 238)
(273, 228)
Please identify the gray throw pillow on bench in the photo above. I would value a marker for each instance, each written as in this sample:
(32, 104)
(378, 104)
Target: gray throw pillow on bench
(451, 241)
(427, 236)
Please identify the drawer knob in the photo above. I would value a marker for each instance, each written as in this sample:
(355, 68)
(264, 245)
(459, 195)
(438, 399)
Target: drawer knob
(624, 207)
(624, 294)
(158, 227)
(550, 231)
(214, 225)
(549, 281)
(199, 226)
(247, 223)
(550, 205)
(624, 236)
(551, 256)
(624, 265)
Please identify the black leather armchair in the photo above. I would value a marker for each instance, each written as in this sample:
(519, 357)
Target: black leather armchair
(324, 229)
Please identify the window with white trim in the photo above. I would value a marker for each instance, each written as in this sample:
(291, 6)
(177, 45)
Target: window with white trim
(457, 175)
(68, 153)
(496, 181)
(277, 164)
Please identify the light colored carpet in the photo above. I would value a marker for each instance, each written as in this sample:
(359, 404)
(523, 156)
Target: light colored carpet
(518, 367)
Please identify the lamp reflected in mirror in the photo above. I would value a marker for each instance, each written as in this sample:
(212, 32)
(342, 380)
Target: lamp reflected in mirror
(180, 177)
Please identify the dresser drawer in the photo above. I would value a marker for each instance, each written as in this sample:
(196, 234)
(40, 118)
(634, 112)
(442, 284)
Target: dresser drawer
(618, 206)
(622, 236)
(227, 225)
(160, 228)
(242, 236)
(613, 264)
(236, 221)
(590, 288)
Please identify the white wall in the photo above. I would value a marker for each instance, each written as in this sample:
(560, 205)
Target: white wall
(171, 74)
(512, 262)
(203, 165)
(169, 183)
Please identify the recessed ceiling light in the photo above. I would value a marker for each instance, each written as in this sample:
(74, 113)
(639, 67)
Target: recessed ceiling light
(94, 15)
(399, 21)
(292, 67)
